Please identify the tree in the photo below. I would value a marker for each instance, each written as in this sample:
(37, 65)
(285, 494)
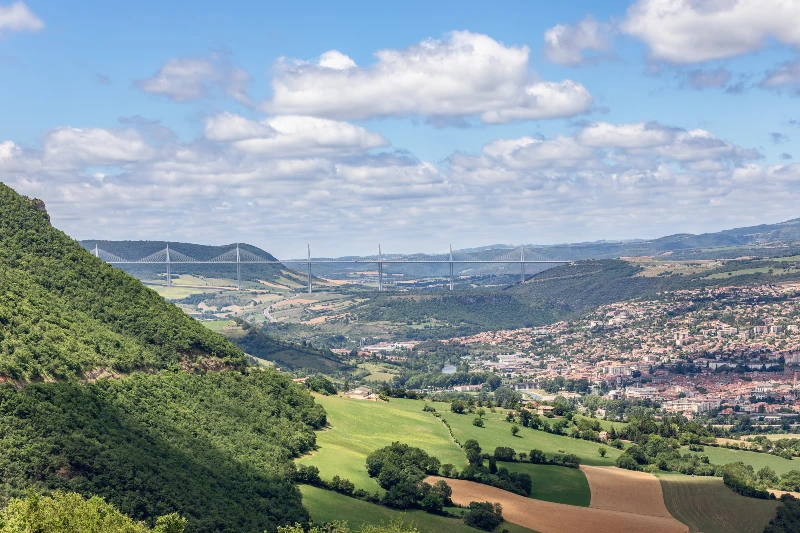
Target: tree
(473, 451)
(458, 406)
(481, 412)
(69, 511)
(514, 430)
(504, 453)
(602, 451)
(484, 515)
(478, 422)
(507, 398)
(537, 456)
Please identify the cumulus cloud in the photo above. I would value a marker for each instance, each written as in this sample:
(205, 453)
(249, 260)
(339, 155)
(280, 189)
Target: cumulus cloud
(94, 146)
(565, 45)
(633, 135)
(300, 179)
(17, 17)
(464, 75)
(300, 135)
(691, 31)
(185, 79)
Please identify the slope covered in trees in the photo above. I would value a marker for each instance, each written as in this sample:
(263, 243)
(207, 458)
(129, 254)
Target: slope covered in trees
(216, 448)
(188, 427)
(64, 312)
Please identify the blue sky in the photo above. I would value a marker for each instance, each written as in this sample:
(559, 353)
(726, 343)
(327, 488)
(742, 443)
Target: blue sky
(410, 124)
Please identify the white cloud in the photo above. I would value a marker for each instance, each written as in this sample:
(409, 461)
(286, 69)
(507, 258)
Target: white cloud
(317, 180)
(310, 136)
(336, 60)
(565, 45)
(634, 135)
(693, 31)
(465, 75)
(17, 17)
(94, 146)
(185, 79)
(230, 127)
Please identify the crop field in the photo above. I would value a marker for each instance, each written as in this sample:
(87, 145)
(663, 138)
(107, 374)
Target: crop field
(548, 517)
(721, 456)
(615, 489)
(359, 427)
(326, 506)
(606, 424)
(497, 432)
(706, 505)
(556, 484)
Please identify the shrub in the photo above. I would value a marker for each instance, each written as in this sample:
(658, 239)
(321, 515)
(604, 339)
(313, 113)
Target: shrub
(627, 462)
(484, 515)
(478, 422)
(504, 453)
(537, 456)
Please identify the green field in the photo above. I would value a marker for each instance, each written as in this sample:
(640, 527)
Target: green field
(556, 484)
(606, 424)
(218, 325)
(326, 506)
(706, 505)
(498, 433)
(176, 293)
(721, 456)
(359, 427)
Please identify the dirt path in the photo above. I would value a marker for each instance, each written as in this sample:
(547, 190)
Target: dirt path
(547, 517)
(616, 489)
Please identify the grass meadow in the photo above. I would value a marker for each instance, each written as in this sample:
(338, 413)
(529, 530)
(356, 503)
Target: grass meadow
(358, 427)
(721, 456)
(326, 506)
(497, 432)
(555, 484)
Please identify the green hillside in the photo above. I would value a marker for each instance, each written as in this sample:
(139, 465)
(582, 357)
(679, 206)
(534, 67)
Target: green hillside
(559, 293)
(216, 448)
(184, 427)
(64, 312)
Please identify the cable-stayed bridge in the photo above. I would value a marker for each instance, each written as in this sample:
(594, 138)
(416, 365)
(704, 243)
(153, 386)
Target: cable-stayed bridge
(238, 256)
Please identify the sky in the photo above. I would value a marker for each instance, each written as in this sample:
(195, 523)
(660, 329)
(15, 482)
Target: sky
(415, 125)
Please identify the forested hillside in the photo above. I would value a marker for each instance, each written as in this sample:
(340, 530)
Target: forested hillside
(555, 294)
(185, 427)
(216, 448)
(64, 312)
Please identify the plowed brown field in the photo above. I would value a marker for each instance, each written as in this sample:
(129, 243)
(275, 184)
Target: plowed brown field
(616, 489)
(547, 517)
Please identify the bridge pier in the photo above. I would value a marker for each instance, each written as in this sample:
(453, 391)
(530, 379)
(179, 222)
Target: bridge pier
(380, 269)
(522, 263)
(169, 269)
(451, 267)
(309, 269)
(238, 269)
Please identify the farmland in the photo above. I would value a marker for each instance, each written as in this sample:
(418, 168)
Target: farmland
(358, 427)
(548, 517)
(327, 506)
(706, 505)
(555, 484)
(722, 456)
(497, 432)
